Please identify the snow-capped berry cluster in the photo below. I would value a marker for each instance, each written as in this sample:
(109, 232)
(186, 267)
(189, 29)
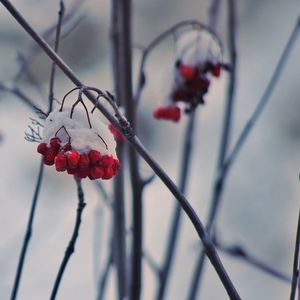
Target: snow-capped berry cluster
(72, 145)
(198, 59)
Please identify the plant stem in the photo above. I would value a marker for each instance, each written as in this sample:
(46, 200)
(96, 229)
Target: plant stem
(71, 246)
(218, 188)
(119, 248)
(139, 148)
(27, 234)
(56, 45)
(176, 217)
(295, 278)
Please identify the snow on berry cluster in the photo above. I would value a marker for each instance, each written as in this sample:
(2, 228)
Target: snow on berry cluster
(198, 59)
(73, 145)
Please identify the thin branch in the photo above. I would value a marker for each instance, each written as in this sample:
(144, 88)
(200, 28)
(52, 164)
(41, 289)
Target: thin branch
(226, 130)
(120, 77)
(61, 13)
(262, 102)
(173, 235)
(137, 145)
(295, 278)
(104, 277)
(71, 246)
(27, 234)
(239, 252)
(151, 263)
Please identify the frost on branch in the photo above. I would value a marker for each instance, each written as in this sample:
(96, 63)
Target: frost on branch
(82, 146)
(198, 59)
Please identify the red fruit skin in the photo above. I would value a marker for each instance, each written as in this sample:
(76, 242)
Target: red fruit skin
(84, 162)
(55, 143)
(49, 157)
(67, 147)
(108, 173)
(96, 173)
(71, 171)
(216, 71)
(187, 72)
(116, 133)
(107, 161)
(81, 174)
(116, 166)
(72, 159)
(170, 112)
(60, 162)
(42, 148)
(95, 157)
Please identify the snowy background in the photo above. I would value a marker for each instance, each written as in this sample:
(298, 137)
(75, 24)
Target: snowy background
(261, 198)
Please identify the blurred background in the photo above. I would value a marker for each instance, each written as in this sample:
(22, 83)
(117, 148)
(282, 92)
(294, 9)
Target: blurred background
(261, 197)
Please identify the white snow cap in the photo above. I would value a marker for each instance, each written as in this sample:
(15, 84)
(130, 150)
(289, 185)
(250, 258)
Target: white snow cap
(197, 47)
(78, 132)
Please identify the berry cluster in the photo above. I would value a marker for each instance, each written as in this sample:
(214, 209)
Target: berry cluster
(91, 164)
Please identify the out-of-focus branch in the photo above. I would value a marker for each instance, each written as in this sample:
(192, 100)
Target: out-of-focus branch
(27, 234)
(176, 217)
(56, 45)
(295, 278)
(238, 251)
(71, 246)
(262, 102)
(139, 148)
(226, 130)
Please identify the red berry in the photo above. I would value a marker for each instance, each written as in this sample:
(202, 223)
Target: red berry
(49, 157)
(117, 134)
(175, 114)
(94, 157)
(67, 147)
(170, 112)
(60, 162)
(107, 161)
(216, 71)
(72, 159)
(96, 172)
(71, 171)
(55, 143)
(108, 173)
(42, 148)
(81, 173)
(116, 166)
(84, 161)
(187, 72)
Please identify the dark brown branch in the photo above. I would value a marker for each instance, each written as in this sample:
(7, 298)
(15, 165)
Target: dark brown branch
(177, 214)
(226, 130)
(137, 145)
(56, 45)
(28, 233)
(71, 246)
(295, 278)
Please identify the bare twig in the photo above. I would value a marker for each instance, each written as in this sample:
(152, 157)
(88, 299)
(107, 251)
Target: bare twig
(239, 252)
(226, 129)
(176, 217)
(56, 45)
(137, 145)
(295, 278)
(71, 246)
(105, 274)
(28, 233)
(120, 77)
(262, 102)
